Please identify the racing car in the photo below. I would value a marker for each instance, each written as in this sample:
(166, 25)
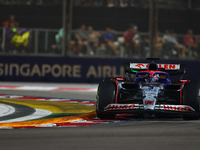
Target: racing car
(150, 92)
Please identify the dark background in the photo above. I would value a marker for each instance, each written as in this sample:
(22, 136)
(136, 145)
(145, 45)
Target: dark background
(117, 18)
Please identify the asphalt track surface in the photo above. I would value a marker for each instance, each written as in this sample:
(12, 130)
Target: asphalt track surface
(157, 134)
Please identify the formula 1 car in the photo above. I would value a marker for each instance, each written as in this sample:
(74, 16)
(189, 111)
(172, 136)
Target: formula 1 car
(151, 92)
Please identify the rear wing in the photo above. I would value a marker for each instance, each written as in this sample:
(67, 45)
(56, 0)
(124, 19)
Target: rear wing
(171, 69)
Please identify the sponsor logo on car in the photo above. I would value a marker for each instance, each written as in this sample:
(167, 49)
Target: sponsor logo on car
(149, 102)
(145, 66)
(122, 106)
(183, 81)
(180, 108)
(140, 65)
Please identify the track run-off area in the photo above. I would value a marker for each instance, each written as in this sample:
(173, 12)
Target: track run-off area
(62, 116)
(18, 111)
(40, 112)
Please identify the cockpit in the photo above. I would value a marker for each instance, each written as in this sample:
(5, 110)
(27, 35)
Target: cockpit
(152, 77)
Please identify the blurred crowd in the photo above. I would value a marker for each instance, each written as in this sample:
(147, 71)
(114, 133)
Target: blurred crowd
(15, 39)
(184, 4)
(86, 41)
(11, 22)
(130, 43)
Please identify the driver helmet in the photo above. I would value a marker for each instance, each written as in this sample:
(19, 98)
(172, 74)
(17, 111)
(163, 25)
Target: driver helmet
(155, 78)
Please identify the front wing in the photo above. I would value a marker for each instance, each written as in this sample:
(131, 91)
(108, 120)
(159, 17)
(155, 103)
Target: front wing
(131, 108)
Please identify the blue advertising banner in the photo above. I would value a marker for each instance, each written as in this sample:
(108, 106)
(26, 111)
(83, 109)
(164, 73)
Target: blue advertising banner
(74, 70)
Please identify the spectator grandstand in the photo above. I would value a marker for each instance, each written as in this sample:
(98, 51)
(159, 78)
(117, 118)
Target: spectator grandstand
(168, 44)
(116, 41)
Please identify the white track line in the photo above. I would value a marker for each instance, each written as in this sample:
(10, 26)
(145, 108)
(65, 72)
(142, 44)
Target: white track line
(37, 88)
(6, 110)
(45, 88)
(39, 113)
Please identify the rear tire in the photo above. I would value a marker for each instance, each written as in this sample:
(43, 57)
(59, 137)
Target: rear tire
(106, 95)
(191, 97)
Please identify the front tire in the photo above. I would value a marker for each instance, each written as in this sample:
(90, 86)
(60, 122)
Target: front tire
(191, 97)
(106, 95)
